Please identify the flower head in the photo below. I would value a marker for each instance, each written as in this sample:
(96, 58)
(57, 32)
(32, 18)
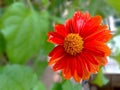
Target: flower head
(80, 46)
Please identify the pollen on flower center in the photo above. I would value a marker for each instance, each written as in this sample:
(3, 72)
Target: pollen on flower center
(73, 44)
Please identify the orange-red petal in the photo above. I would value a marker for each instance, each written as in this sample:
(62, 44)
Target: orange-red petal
(60, 64)
(79, 20)
(76, 77)
(97, 48)
(102, 60)
(73, 64)
(60, 29)
(79, 68)
(93, 67)
(86, 72)
(90, 57)
(56, 54)
(55, 38)
(92, 25)
(68, 26)
(102, 34)
(66, 72)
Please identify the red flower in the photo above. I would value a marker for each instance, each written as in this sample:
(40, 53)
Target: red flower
(81, 48)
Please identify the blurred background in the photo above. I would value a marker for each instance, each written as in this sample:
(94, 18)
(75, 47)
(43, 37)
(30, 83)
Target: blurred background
(24, 49)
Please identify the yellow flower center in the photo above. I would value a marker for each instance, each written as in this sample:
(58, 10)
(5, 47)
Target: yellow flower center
(73, 44)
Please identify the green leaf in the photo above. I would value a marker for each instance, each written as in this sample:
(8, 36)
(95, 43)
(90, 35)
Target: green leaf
(100, 79)
(57, 86)
(68, 85)
(16, 77)
(39, 86)
(25, 32)
(2, 43)
(115, 4)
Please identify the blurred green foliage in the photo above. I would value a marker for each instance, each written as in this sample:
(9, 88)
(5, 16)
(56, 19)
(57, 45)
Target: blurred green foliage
(56, 86)
(23, 39)
(66, 85)
(24, 34)
(115, 4)
(17, 77)
(100, 79)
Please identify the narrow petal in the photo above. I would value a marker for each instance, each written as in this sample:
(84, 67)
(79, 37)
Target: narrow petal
(79, 68)
(97, 48)
(86, 73)
(76, 77)
(56, 49)
(95, 60)
(92, 25)
(79, 20)
(68, 26)
(76, 69)
(102, 34)
(66, 72)
(60, 29)
(90, 57)
(56, 54)
(60, 64)
(99, 29)
(73, 63)
(102, 60)
(91, 66)
(75, 66)
(54, 59)
(106, 34)
(55, 38)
